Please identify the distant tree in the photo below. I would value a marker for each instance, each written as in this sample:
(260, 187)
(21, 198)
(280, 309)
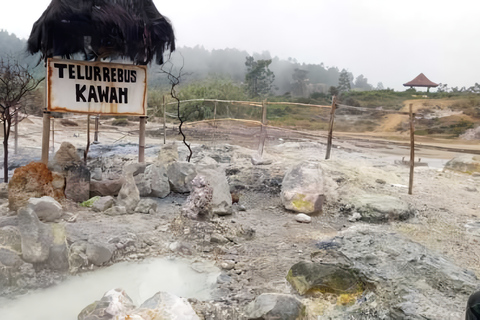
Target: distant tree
(259, 78)
(299, 87)
(442, 87)
(474, 89)
(16, 83)
(380, 86)
(362, 83)
(344, 82)
(333, 91)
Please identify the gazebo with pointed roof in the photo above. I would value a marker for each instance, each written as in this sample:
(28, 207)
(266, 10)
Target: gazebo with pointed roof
(421, 81)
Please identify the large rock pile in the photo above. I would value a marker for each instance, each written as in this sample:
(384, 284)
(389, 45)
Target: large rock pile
(116, 304)
(34, 180)
(386, 275)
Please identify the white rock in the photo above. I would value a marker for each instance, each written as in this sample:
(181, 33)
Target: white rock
(302, 217)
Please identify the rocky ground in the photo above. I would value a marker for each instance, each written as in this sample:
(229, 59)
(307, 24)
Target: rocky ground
(420, 262)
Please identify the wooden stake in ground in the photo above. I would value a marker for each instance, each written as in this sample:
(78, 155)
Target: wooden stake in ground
(214, 122)
(412, 149)
(52, 134)
(16, 132)
(141, 140)
(164, 121)
(330, 127)
(45, 136)
(263, 130)
(95, 136)
(88, 140)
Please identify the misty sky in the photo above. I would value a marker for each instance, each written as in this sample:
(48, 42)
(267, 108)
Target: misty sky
(386, 41)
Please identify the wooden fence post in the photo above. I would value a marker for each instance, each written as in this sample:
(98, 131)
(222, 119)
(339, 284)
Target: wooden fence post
(52, 134)
(412, 149)
(45, 136)
(141, 140)
(263, 130)
(85, 153)
(16, 132)
(95, 137)
(164, 121)
(330, 127)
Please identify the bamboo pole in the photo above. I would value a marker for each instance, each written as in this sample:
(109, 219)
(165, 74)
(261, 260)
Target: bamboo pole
(95, 137)
(52, 134)
(16, 132)
(88, 140)
(330, 128)
(412, 149)
(164, 121)
(141, 142)
(45, 136)
(263, 129)
(214, 122)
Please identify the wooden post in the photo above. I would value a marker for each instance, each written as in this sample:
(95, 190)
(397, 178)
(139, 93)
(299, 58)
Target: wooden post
(88, 140)
(52, 134)
(16, 132)
(412, 149)
(215, 115)
(330, 127)
(263, 130)
(45, 136)
(95, 137)
(141, 140)
(164, 121)
(214, 122)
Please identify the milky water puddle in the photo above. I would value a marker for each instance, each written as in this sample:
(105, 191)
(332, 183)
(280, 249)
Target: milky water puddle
(141, 280)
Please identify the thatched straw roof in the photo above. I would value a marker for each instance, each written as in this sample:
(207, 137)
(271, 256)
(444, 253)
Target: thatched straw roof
(421, 81)
(132, 29)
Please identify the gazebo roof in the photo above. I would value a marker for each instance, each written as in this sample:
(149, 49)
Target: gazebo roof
(132, 29)
(421, 81)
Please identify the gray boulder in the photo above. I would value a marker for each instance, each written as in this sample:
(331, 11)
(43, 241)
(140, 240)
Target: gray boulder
(113, 303)
(409, 281)
(3, 190)
(380, 208)
(37, 237)
(115, 211)
(46, 208)
(166, 306)
(305, 276)
(168, 154)
(98, 253)
(77, 257)
(146, 206)
(110, 187)
(77, 183)
(129, 196)
(303, 188)
(467, 163)
(275, 306)
(221, 202)
(10, 238)
(180, 174)
(157, 176)
(143, 184)
(103, 203)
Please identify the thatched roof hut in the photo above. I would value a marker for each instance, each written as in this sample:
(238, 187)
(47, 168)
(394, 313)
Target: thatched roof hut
(421, 81)
(132, 29)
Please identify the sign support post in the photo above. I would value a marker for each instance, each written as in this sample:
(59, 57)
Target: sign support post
(45, 136)
(141, 140)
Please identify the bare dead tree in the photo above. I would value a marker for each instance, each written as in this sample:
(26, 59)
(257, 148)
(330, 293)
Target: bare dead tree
(16, 83)
(174, 81)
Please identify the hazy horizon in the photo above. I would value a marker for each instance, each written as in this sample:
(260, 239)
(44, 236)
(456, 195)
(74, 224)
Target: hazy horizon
(389, 42)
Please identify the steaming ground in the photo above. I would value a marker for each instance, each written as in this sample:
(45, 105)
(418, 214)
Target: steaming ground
(447, 203)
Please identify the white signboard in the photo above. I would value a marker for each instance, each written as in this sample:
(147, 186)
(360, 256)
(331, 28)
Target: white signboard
(96, 87)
